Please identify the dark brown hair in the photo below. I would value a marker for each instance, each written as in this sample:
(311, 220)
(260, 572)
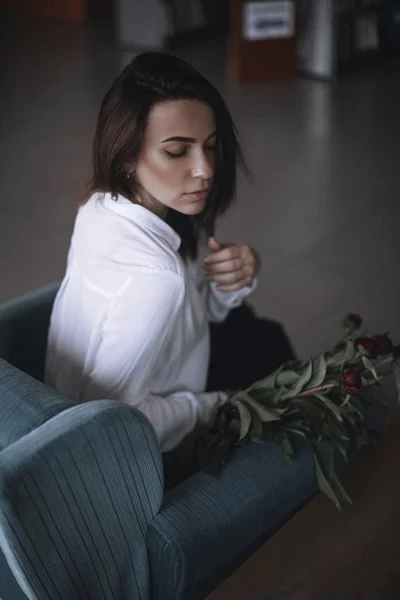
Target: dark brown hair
(150, 78)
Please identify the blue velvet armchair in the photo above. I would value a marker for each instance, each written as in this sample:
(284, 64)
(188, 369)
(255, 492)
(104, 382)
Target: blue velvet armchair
(83, 514)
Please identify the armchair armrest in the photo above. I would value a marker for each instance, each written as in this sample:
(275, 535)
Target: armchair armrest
(76, 497)
(208, 526)
(25, 404)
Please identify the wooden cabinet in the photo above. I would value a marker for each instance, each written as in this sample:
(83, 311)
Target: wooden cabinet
(257, 60)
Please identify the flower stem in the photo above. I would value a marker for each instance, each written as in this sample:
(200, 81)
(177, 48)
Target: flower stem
(320, 388)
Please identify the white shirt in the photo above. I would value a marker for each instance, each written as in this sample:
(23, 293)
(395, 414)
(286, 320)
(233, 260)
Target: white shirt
(130, 321)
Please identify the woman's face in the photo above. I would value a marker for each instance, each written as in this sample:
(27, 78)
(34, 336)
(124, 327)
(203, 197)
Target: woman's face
(176, 164)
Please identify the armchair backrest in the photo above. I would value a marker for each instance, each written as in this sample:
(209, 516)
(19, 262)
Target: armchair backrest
(24, 324)
(92, 474)
(25, 403)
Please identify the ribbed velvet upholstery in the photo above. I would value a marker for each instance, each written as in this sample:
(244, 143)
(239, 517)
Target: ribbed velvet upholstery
(82, 513)
(25, 403)
(208, 526)
(76, 497)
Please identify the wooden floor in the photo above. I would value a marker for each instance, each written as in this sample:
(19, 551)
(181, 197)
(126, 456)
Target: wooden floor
(322, 554)
(323, 206)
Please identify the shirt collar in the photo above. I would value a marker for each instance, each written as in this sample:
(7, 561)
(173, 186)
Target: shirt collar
(142, 216)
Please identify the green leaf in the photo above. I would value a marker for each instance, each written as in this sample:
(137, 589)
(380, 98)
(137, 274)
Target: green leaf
(298, 430)
(319, 371)
(333, 428)
(329, 404)
(269, 382)
(324, 456)
(263, 413)
(325, 473)
(350, 352)
(340, 491)
(245, 418)
(358, 408)
(269, 398)
(287, 448)
(301, 383)
(343, 356)
(335, 359)
(363, 351)
(343, 450)
(370, 382)
(370, 367)
(286, 378)
(256, 430)
(277, 397)
(346, 400)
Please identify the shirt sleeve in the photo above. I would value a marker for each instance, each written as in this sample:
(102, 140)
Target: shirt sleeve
(220, 303)
(136, 338)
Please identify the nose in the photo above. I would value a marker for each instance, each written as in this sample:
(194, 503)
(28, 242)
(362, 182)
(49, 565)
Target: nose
(203, 167)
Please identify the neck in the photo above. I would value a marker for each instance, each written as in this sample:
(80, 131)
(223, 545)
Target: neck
(145, 199)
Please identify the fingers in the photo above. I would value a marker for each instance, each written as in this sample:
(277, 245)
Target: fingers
(229, 253)
(229, 266)
(234, 287)
(231, 277)
(232, 267)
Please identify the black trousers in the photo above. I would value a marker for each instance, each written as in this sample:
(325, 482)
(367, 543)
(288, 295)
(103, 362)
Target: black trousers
(244, 349)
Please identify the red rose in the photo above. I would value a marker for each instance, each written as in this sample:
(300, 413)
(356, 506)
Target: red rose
(383, 343)
(396, 352)
(352, 322)
(355, 320)
(368, 344)
(351, 382)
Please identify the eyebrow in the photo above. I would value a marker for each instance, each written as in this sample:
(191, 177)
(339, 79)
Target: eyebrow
(179, 138)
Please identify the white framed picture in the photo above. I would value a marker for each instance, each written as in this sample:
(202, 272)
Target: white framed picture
(268, 20)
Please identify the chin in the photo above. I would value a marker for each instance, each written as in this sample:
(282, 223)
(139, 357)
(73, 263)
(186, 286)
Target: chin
(194, 208)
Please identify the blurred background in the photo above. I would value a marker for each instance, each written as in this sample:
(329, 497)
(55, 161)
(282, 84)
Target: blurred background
(314, 88)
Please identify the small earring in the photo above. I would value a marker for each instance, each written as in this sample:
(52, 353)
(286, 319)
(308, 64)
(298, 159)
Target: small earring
(128, 176)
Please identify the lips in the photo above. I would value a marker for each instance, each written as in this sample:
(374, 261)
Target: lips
(198, 192)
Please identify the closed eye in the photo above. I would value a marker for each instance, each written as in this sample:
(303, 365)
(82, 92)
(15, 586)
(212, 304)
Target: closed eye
(210, 148)
(175, 154)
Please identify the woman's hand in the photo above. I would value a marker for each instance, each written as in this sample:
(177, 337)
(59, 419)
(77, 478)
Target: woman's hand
(231, 266)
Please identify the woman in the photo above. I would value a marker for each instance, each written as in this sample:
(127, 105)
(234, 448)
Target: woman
(131, 320)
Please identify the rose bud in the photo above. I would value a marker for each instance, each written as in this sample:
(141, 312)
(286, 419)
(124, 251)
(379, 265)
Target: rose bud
(383, 343)
(352, 322)
(396, 352)
(368, 344)
(352, 382)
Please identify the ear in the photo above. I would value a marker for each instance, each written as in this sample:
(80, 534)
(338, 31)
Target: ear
(129, 170)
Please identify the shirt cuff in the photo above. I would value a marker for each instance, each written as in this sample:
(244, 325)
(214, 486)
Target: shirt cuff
(233, 299)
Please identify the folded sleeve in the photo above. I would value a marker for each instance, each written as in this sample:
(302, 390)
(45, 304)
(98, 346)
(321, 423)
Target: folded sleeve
(137, 335)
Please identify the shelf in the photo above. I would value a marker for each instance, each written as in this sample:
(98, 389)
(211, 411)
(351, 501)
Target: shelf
(357, 34)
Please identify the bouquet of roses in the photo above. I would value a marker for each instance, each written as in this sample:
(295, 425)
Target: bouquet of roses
(324, 402)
